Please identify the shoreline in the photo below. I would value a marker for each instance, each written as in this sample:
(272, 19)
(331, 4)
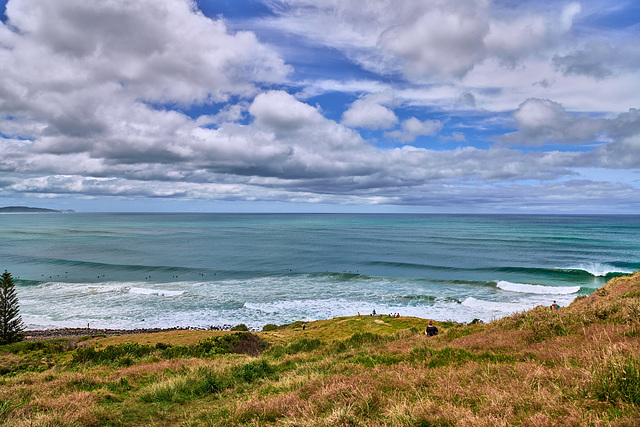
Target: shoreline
(48, 334)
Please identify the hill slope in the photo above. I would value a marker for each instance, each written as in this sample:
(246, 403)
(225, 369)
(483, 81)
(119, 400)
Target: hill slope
(578, 365)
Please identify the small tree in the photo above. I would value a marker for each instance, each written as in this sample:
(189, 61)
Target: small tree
(10, 321)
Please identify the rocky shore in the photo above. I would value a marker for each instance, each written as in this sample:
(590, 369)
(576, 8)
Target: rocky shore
(49, 334)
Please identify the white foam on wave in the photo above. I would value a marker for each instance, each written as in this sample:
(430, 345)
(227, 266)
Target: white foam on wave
(110, 287)
(599, 270)
(161, 292)
(537, 289)
(317, 308)
(494, 306)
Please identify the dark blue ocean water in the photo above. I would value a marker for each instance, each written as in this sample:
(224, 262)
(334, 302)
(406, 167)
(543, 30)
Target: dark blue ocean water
(165, 270)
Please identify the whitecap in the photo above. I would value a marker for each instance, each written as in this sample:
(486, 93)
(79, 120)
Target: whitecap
(161, 292)
(599, 270)
(537, 289)
(493, 306)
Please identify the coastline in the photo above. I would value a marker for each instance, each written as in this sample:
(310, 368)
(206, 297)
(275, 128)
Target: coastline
(49, 334)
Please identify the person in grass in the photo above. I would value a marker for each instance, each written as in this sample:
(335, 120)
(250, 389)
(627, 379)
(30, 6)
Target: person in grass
(431, 330)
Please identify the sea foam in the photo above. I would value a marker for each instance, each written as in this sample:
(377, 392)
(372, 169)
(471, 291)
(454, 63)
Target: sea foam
(537, 289)
(161, 292)
(495, 306)
(599, 270)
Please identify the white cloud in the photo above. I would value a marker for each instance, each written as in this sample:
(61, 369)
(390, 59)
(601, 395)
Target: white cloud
(82, 68)
(93, 94)
(439, 38)
(435, 39)
(599, 59)
(541, 121)
(413, 128)
(528, 33)
(621, 154)
(281, 112)
(370, 112)
(160, 51)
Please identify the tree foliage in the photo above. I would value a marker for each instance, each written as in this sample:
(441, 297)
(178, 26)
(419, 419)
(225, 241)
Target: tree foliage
(11, 324)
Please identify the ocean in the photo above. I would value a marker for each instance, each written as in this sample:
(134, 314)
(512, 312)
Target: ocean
(144, 270)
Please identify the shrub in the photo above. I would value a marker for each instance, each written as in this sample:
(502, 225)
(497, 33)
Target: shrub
(240, 343)
(253, 371)
(122, 354)
(58, 345)
(240, 327)
(269, 327)
(173, 352)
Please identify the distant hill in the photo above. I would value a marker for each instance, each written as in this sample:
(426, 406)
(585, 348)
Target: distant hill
(25, 209)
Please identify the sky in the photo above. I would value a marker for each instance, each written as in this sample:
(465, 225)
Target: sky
(434, 106)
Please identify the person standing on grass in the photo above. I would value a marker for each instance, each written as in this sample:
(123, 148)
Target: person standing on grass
(431, 330)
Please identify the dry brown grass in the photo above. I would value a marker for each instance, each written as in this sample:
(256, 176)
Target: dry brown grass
(539, 368)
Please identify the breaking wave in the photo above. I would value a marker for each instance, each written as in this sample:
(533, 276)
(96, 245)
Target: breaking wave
(537, 289)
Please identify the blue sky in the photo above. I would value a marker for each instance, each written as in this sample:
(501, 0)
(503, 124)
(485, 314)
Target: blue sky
(470, 106)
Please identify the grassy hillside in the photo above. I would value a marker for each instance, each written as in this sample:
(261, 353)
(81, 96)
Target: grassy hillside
(578, 365)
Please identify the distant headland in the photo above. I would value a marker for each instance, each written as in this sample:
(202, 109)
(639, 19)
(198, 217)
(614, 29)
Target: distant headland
(25, 209)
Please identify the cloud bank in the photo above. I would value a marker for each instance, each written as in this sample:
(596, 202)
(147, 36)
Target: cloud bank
(156, 100)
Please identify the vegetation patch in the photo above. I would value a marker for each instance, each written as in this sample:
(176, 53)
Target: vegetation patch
(445, 356)
(578, 365)
(617, 379)
(185, 387)
(122, 354)
(126, 354)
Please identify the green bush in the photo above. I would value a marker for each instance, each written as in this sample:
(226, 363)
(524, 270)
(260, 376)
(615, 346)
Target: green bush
(269, 327)
(122, 354)
(241, 327)
(239, 343)
(163, 346)
(55, 346)
(173, 352)
(253, 371)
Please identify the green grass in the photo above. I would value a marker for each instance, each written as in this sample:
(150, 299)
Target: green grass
(617, 379)
(579, 365)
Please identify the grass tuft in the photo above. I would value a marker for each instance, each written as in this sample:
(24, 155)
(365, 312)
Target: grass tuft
(617, 379)
(185, 387)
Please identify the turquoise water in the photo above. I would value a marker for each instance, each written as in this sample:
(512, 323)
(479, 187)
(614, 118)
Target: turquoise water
(165, 270)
